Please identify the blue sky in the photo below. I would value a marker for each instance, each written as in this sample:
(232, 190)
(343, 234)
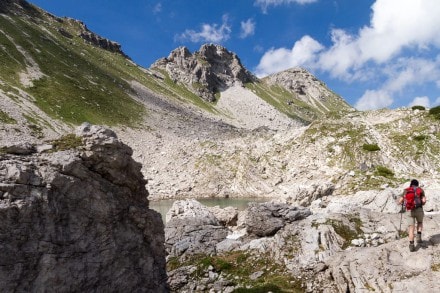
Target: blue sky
(374, 53)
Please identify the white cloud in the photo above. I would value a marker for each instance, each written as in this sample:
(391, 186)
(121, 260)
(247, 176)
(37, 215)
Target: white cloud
(374, 100)
(341, 56)
(407, 71)
(394, 26)
(437, 102)
(276, 60)
(420, 101)
(379, 52)
(208, 33)
(264, 4)
(247, 28)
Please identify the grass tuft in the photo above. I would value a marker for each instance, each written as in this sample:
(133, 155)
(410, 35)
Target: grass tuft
(371, 147)
(6, 119)
(67, 142)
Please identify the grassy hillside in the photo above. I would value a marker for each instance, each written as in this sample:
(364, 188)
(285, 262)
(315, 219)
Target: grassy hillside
(44, 59)
(68, 79)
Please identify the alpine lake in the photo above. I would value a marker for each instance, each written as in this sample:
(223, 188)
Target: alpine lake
(164, 205)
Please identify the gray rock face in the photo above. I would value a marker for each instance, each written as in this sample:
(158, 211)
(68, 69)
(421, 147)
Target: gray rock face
(226, 216)
(91, 37)
(16, 6)
(78, 220)
(101, 42)
(192, 229)
(266, 219)
(207, 71)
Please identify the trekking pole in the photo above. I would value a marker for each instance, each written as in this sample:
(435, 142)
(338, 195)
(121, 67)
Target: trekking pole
(401, 215)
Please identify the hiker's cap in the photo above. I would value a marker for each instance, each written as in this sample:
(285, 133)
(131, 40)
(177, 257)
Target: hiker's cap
(414, 182)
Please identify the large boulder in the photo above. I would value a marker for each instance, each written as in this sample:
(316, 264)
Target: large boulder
(79, 220)
(266, 219)
(192, 229)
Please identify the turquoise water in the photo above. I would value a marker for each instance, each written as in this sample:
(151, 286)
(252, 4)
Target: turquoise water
(163, 206)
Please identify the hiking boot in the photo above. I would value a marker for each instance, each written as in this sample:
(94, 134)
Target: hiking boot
(411, 247)
(419, 238)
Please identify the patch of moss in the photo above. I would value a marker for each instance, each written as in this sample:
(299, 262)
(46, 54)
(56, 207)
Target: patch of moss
(403, 234)
(67, 142)
(435, 267)
(239, 266)
(435, 112)
(418, 108)
(371, 147)
(384, 172)
(293, 244)
(420, 137)
(6, 119)
(368, 287)
(345, 231)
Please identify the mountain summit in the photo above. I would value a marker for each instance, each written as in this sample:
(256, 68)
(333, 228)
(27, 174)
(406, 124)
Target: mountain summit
(210, 72)
(206, 72)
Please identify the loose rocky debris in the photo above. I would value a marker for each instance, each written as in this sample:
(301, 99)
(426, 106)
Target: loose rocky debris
(78, 219)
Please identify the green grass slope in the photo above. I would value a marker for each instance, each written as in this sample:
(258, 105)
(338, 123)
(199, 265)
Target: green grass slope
(76, 81)
(44, 59)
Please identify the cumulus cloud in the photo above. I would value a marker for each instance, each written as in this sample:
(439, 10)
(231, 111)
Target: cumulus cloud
(437, 102)
(247, 28)
(414, 25)
(209, 33)
(302, 53)
(264, 4)
(420, 101)
(379, 50)
(406, 71)
(374, 100)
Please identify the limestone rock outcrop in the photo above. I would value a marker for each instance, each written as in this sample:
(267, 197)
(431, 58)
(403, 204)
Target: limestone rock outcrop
(87, 35)
(211, 69)
(78, 219)
(16, 6)
(192, 229)
(101, 42)
(266, 219)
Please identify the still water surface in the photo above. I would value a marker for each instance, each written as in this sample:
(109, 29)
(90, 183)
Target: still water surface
(163, 206)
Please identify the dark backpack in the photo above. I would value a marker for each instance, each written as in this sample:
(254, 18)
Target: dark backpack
(413, 198)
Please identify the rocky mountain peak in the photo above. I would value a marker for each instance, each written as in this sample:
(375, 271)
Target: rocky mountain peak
(307, 88)
(91, 37)
(16, 7)
(211, 69)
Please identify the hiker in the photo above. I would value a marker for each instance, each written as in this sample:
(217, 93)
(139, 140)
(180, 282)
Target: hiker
(413, 198)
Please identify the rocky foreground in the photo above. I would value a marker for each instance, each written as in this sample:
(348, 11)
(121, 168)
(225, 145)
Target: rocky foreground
(75, 218)
(277, 247)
